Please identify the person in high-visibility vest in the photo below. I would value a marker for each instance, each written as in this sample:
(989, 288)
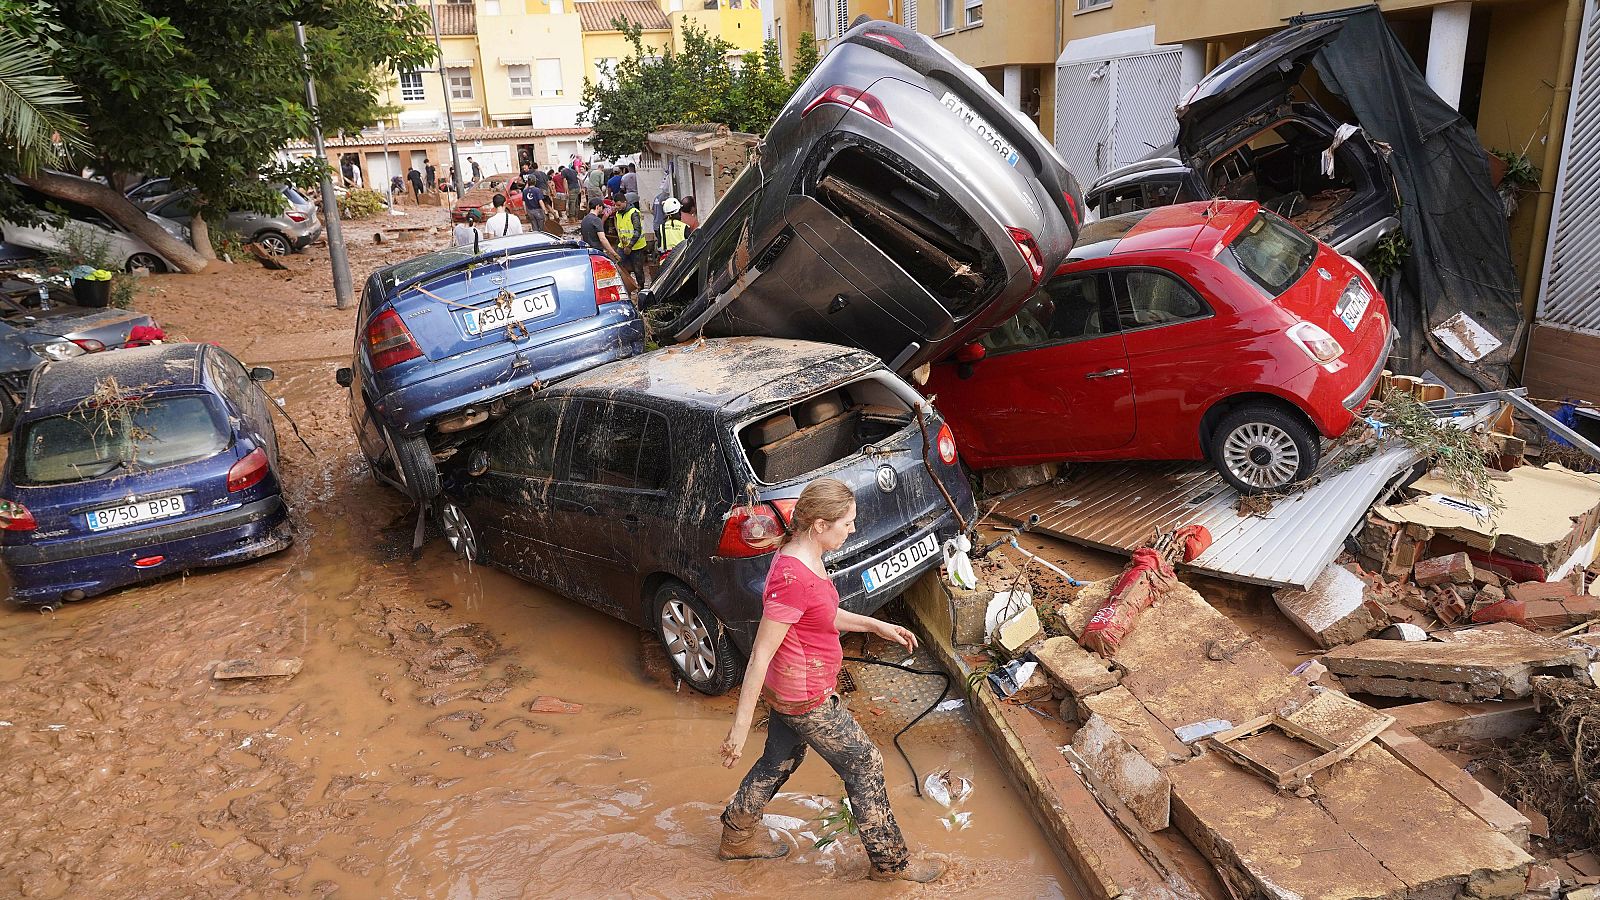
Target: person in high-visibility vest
(673, 230)
(630, 241)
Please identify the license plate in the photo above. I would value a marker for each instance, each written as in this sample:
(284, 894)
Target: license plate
(134, 513)
(901, 563)
(1354, 310)
(534, 305)
(979, 127)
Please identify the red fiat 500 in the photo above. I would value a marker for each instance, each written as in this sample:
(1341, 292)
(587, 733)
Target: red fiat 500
(1212, 331)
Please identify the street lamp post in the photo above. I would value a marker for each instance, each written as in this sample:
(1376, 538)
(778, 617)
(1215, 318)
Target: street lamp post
(444, 80)
(342, 293)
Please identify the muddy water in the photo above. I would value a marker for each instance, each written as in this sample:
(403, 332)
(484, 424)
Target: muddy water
(403, 761)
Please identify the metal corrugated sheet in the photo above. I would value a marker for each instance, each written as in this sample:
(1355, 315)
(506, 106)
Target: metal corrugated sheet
(1569, 294)
(1118, 506)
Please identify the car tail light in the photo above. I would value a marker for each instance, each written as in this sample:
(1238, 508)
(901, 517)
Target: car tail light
(15, 517)
(850, 98)
(1030, 252)
(148, 562)
(89, 345)
(607, 280)
(295, 216)
(891, 40)
(1318, 344)
(753, 529)
(1072, 205)
(248, 471)
(946, 442)
(389, 341)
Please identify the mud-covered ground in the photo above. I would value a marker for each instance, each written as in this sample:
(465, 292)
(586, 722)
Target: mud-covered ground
(411, 756)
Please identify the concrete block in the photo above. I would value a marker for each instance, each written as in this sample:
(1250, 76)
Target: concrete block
(967, 608)
(1455, 568)
(1439, 723)
(1453, 780)
(1139, 784)
(1077, 670)
(1332, 611)
(1022, 630)
(1485, 663)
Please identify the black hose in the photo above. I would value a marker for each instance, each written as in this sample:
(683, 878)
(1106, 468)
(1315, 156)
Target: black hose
(916, 783)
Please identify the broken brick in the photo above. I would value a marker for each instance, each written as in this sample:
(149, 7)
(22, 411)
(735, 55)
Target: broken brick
(1448, 606)
(1540, 590)
(1456, 568)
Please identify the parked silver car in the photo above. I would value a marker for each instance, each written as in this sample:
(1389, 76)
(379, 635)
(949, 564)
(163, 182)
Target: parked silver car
(291, 230)
(68, 223)
(897, 205)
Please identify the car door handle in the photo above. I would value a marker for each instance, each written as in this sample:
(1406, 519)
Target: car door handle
(1107, 373)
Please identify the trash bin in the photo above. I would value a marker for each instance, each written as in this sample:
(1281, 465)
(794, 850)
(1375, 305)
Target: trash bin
(91, 293)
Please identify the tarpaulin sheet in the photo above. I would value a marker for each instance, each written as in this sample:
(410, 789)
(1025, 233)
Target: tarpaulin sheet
(1460, 258)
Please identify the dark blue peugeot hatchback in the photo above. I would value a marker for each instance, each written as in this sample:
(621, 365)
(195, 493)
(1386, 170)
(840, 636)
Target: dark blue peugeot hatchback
(130, 465)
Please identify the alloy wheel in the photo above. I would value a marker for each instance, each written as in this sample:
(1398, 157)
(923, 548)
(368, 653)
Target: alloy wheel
(274, 244)
(458, 532)
(688, 640)
(1261, 455)
(145, 261)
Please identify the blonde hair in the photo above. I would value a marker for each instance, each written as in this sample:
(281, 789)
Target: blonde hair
(827, 499)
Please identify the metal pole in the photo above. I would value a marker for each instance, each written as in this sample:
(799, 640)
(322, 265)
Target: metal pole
(450, 119)
(342, 294)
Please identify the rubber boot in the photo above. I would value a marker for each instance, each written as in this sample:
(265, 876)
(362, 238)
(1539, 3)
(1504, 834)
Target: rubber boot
(921, 870)
(749, 840)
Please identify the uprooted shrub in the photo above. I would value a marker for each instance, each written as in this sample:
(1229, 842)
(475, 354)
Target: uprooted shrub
(360, 203)
(1556, 767)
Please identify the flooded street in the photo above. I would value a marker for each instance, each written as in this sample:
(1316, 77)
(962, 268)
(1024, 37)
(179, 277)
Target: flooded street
(404, 760)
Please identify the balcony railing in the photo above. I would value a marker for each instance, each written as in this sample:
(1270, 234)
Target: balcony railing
(456, 18)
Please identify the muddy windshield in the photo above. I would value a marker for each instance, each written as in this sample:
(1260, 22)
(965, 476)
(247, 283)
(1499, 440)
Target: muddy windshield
(119, 438)
(1273, 253)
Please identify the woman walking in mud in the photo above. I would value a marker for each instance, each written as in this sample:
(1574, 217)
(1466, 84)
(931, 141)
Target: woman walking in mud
(794, 666)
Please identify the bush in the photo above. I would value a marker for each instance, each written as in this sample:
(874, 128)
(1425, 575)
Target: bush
(227, 244)
(360, 203)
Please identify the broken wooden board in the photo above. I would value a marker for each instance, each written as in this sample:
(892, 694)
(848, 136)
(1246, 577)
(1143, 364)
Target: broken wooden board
(1332, 725)
(1136, 782)
(1438, 723)
(257, 668)
(1476, 664)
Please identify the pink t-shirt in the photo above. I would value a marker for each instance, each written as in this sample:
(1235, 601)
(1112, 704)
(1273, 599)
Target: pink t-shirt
(805, 670)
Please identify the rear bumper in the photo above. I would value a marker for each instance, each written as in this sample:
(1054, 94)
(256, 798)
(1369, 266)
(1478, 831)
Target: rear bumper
(307, 239)
(96, 564)
(1363, 391)
(408, 409)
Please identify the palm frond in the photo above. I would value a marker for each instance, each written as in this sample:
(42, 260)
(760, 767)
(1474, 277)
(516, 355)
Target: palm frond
(36, 122)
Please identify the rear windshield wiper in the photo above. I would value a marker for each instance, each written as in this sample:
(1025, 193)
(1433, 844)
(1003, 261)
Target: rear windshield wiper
(115, 465)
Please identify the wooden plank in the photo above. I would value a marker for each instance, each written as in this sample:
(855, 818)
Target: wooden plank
(1453, 780)
(1562, 364)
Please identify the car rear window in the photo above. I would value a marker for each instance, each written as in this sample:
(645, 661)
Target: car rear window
(1273, 253)
(117, 439)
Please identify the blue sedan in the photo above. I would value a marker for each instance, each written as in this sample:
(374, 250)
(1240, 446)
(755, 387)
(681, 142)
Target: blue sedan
(450, 340)
(129, 465)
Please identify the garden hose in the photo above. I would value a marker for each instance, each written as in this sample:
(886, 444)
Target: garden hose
(916, 783)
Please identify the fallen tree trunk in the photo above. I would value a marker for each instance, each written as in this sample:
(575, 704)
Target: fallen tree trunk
(120, 210)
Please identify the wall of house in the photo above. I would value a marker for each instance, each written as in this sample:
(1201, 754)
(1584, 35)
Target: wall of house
(740, 27)
(598, 45)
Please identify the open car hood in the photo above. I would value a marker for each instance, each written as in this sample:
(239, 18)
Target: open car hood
(1258, 77)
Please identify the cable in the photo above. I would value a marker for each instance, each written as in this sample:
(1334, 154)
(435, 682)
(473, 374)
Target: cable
(916, 783)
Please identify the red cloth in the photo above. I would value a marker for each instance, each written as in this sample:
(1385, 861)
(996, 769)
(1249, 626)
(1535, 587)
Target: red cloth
(805, 670)
(141, 335)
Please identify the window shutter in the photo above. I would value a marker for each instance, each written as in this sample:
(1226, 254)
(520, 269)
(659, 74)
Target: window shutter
(908, 13)
(841, 22)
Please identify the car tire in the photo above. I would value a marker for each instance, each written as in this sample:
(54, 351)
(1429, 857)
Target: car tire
(146, 261)
(1260, 448)
(457, 529)
(413, 460)
(698, 646)
(274, 243)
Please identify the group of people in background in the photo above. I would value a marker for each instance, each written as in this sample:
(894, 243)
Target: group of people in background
(613, 224)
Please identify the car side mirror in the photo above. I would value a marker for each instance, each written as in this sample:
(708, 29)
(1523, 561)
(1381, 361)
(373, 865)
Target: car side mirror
(971, 353)
(478, 463)
(262, 373)
(344, 376)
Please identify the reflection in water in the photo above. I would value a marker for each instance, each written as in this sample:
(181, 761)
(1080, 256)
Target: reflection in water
(403, 761)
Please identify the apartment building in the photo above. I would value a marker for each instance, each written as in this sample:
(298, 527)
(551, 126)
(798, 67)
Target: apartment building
(510, 78)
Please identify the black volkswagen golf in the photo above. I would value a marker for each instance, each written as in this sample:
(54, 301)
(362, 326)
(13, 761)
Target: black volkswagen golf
(655, 488)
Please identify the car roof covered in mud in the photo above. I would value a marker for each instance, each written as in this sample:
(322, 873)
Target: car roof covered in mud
(731, 374)
(162, 366)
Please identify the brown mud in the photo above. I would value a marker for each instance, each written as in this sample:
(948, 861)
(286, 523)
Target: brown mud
(409, 757)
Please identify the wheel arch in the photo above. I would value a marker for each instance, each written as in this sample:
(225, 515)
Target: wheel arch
(1225, 405)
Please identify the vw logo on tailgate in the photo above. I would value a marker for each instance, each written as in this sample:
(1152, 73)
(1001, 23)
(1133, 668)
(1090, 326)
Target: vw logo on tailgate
(887, 479)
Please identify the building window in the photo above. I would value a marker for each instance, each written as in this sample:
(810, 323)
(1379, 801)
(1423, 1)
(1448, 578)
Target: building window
(605, 71)
(550, 77)
(841, 17)
(1091, 4)
(675, 6)
(472, 121)
(972, 12)
(491, 7)
(735, 4)
(460, 79)
(709, 4)
(411, 87)
(908, 14)
(521, 80)
(947, 15)
(557, 7)
(777, 35)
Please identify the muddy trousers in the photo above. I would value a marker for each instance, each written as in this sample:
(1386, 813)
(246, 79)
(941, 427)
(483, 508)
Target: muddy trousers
(837, 737)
